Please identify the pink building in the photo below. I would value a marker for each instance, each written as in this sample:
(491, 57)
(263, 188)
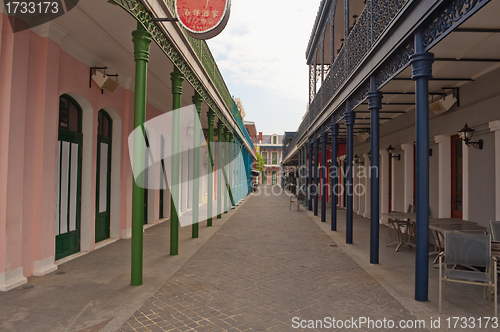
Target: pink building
(65, 174)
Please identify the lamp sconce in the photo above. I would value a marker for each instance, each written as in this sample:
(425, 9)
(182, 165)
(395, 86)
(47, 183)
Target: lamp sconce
(390, 150)
(358, 161)
(103, 80)
(466, 134)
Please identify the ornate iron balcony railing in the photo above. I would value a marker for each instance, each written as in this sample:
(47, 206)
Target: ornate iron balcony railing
(376, 17)
(206, 58)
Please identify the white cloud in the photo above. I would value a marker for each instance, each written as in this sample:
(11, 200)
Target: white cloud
(263, 46)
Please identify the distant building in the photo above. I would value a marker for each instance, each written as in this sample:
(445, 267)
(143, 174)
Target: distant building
(270, 148)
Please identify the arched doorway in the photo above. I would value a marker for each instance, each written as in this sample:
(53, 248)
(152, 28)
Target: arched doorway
(69, 178)
(103, 176)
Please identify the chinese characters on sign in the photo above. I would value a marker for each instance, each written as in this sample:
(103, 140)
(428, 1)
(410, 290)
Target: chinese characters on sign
(203, 19)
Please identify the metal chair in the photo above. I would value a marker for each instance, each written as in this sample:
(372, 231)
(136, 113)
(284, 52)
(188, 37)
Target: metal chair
(495, 230)
(401, 226)
(470, 250)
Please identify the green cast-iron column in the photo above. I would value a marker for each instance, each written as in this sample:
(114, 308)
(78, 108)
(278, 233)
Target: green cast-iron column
(210, 198)
(196, 166)
(142, 40)
(232, 177)
(240, 194)
(177, 79)
(220, 180)
(227, 182)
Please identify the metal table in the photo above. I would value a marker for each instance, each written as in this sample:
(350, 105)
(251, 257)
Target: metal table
(443, 225)
(402, 223)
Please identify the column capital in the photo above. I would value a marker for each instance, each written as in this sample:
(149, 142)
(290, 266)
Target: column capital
(177, 78)
(375, 100)
(334, 128)
(322, 138)
(494, 125)
(315, 143)
(142, 40)
(211, 117)
(349, 118)
(421, 65)
(197, 100)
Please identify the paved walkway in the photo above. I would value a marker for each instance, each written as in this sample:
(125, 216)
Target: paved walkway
(267, 268)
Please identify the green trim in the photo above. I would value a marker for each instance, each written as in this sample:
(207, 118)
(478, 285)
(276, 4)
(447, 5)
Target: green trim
(102, 219)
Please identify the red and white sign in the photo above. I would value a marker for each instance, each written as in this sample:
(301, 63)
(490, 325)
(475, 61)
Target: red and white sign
(203, 19)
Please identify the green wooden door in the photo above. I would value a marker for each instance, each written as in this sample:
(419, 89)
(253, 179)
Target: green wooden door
(275, 177)
(103, 177)
(264, 177)
(69, 178)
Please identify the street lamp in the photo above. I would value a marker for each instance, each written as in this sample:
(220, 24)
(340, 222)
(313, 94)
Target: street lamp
(466, 134)
(357, 159)
(390, 150)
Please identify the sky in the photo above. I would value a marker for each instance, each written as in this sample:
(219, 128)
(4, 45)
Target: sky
(261, 55)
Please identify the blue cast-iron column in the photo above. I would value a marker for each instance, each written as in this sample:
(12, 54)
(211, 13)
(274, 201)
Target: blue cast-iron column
(306, 171)
(316, 175)
(310, 174)
(421, 63)
(323, 176)
(334, 130)
(374, 105)
(349, 121)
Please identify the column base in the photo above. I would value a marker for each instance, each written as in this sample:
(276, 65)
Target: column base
(12, 279)
(44, 266)
(127, 233)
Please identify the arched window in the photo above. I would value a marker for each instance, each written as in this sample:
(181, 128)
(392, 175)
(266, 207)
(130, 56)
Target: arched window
(275, 140)
(104, 124)
(70, 114)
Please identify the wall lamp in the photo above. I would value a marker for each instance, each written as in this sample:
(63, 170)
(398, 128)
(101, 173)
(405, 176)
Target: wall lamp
(466, 134)
(390, 150)
(358, 161)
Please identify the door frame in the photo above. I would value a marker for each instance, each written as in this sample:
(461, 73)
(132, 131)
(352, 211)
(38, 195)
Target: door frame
(71, 137)
(98, 215)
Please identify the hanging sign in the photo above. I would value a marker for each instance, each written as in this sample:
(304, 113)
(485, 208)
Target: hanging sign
(203, 19)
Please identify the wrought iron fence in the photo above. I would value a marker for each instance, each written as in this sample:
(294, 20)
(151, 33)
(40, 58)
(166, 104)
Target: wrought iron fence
(373, 21)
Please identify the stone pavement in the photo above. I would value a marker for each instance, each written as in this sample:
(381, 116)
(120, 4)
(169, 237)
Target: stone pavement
(264, 267)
